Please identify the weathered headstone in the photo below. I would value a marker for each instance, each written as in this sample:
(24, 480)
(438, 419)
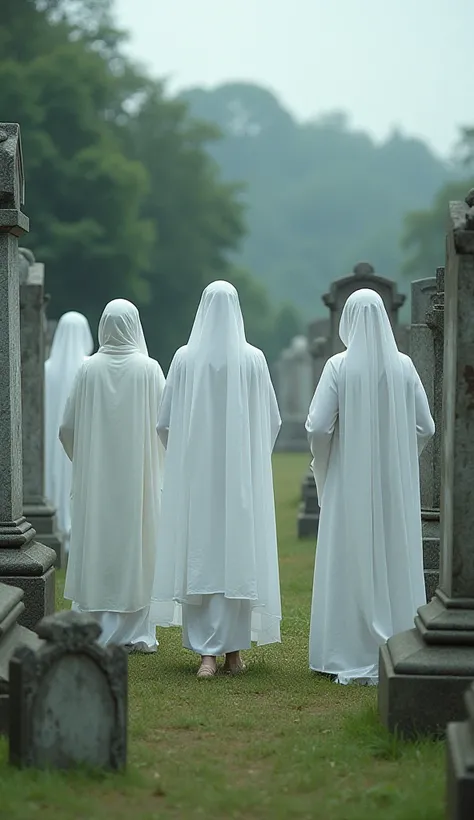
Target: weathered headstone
(11, 636)
(51, 325)
(423, 673)
(23, 562)
(68, 698)
(363, 276)
(422, 353)
(32, 326)
(460, 760)
(294, 391)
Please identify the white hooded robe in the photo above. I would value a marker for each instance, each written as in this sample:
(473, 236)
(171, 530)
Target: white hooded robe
(218, 548)
(368, 422)
(72, 343)
(109, 433)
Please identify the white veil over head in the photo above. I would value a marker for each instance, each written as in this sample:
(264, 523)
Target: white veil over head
(72, 341)
(120, 329)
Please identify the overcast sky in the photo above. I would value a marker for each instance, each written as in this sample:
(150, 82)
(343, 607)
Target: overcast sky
(405, 63)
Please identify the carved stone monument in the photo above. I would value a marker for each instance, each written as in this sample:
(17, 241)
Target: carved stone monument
(363, 276)
(11, 636)
(68, 698)
(460, 758)
(294, 390)
(32, 327)
(423, 673)
(426, 317)
(23, 562)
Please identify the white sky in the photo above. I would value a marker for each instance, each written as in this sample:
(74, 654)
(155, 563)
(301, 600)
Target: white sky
(405, 63)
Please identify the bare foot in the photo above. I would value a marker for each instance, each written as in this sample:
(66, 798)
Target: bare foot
(208, 667)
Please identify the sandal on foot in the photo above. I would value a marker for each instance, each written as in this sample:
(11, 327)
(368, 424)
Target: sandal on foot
(206, 671)
(234, 668)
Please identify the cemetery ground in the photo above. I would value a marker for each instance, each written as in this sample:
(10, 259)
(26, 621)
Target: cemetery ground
(277, 742)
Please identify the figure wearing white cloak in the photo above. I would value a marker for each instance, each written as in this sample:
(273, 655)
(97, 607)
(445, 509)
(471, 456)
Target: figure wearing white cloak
(72, 343)
(219, 420)
(109, 433)
(368, 422)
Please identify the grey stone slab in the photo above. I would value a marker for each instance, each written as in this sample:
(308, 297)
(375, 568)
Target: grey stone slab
(460, 773)
(68, 698)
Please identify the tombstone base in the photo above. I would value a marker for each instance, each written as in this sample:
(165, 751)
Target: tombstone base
(424, 673)
(11, 636)
(31, 569)
(460, 780)
(43, 518)
(308, 513)
(430, 530)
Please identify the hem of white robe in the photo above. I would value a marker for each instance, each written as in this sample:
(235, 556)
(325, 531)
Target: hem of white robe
(366, 676)
(220, 625)
(265, 628)
(133, 628)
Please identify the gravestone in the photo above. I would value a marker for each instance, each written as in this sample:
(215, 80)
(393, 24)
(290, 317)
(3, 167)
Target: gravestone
(423, 673)
(422, 351)
(308, 512)
(68, 698)
(363, 276)
(11, 636)
(51, 325)
(294, 391)
(37, 511)
(24, 563)
(460, 764)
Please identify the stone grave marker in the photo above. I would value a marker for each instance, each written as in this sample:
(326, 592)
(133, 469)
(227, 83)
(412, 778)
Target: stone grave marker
(460, 764)
(294, 392)
(68, 698)
(424, 672)
(24, 563)
(36, 509)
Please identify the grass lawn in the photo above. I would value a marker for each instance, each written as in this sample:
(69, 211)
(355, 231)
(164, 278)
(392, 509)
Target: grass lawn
(278, 742)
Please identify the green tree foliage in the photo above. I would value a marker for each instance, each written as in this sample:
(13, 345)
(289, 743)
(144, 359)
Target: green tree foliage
(424, 236)
(123, 196)
(320, 196)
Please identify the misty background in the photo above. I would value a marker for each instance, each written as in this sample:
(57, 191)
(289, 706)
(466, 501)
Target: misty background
(270, 143)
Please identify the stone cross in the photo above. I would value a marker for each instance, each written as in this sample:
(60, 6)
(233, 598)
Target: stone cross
(460, 764)
(68, 698)
(32, 326)
(363, 276)
(423, 673)
(23, 562)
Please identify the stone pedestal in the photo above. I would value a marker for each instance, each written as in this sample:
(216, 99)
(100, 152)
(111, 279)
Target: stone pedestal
(11, 636)
(308, 513)
(23, 562)
(460, 764)
(425, 671)
(37, 511)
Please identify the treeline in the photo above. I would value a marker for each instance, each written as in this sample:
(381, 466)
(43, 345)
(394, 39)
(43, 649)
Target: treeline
(123, 195)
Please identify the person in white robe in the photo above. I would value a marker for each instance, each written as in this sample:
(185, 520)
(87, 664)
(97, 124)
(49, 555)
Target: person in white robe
(218, 558)
(368, 422)
(72, 343)
(109, 433)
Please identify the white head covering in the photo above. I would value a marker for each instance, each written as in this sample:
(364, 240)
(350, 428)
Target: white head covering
(218, 528)
(72, 343)
(120, 329)
(376, 432)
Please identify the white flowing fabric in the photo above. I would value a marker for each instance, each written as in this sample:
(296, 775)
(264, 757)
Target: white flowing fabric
(219, 420)
(368, 422)
(109, 432)
(72, 343)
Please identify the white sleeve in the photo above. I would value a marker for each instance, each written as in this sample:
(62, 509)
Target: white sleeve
(425, 426)
(164, 414)
(321, 423)
(66, 430)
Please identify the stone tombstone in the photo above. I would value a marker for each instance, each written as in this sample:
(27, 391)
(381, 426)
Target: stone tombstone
(11, 636)
(460, 764)
(294, 391)
(422, 345)
(23, 562)
(363, 276)
(51, 325)
(68, 698)
(423, 673)
(32, 327)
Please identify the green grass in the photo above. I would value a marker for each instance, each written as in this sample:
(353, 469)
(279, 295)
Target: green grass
(276, 743)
